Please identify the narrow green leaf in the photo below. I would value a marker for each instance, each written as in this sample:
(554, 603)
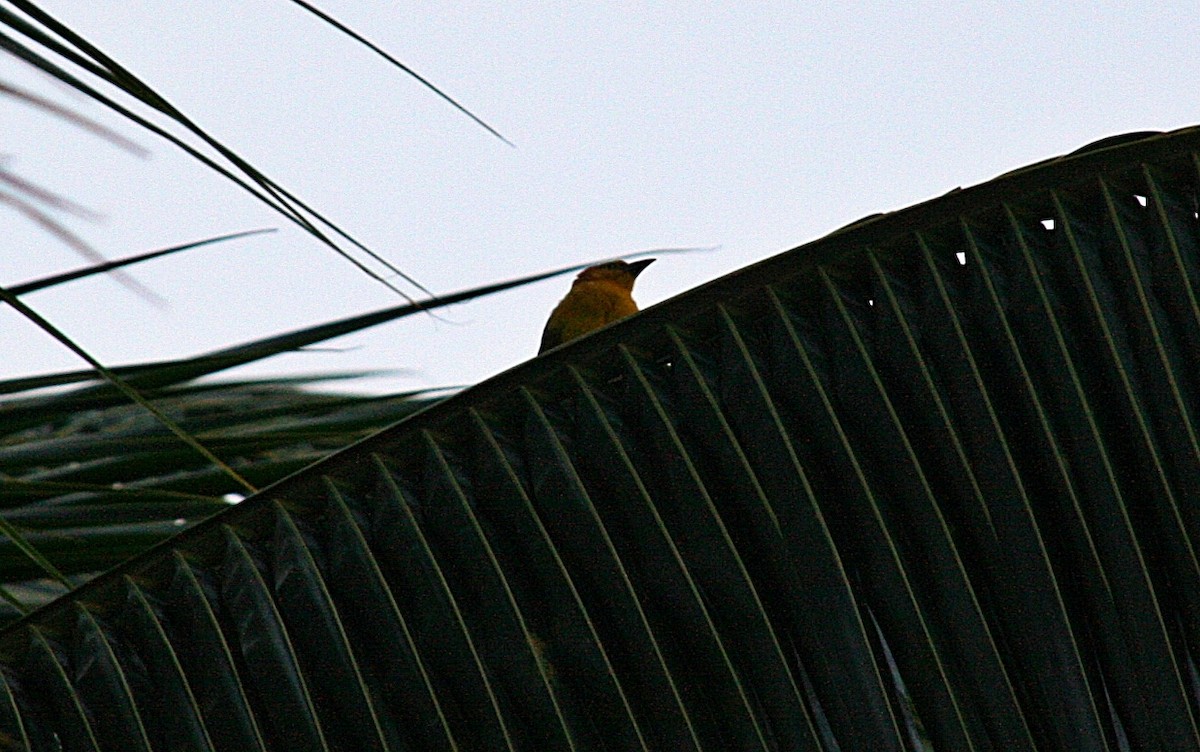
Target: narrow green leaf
(57, 279)
(357, 37)
(34, 555)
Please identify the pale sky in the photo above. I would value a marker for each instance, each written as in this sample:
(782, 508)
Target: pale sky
(755, 127)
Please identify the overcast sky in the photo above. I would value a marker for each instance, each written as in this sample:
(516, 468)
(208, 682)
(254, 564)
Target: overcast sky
(753, 126)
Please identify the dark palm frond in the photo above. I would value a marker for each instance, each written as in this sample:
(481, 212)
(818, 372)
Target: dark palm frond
(924, 483)
(89, 487)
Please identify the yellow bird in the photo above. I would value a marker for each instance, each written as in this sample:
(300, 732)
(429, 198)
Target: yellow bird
(599, 295)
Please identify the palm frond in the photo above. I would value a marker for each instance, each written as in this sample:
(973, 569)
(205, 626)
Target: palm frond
(87, 487)
(924, 483)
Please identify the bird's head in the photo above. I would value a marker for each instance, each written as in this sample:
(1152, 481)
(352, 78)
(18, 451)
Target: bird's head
(617, 272)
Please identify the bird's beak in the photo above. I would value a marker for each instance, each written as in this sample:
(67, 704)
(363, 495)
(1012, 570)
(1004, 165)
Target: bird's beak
(636, 267)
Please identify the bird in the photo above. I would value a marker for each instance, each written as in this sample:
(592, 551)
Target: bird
(600, 295)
